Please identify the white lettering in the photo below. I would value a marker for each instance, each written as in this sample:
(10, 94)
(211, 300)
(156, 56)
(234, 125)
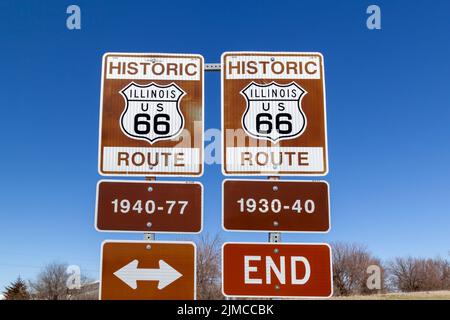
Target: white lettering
(305, 278)
(248, 269)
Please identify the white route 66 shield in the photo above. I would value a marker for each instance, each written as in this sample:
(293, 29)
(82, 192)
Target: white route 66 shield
(152, 112)
(274, 111)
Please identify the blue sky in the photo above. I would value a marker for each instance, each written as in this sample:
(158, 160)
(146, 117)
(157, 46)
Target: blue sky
(387, 104)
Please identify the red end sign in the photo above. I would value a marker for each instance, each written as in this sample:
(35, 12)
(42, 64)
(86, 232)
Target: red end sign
(277, 270)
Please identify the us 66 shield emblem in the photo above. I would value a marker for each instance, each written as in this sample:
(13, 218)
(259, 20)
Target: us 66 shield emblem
(273, 111)
(152, 112)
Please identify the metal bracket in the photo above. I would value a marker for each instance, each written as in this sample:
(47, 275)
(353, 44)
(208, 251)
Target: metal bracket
(149, 236)
(213, 66)
(274, 237)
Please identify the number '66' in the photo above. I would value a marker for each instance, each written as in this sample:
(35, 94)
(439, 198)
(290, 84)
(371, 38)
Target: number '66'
(143, 125)
(283, 123)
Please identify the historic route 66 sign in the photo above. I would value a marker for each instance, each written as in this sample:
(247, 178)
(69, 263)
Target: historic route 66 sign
(273, 111)
(152, 112)
(273, 114)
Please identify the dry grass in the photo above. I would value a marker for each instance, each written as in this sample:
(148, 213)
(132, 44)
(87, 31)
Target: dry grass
(426, 295)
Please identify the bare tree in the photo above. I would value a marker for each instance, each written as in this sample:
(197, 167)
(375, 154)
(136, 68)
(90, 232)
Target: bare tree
(350, 265)
(417, 274)
(208, 268)
(51, 283)
(444, 267)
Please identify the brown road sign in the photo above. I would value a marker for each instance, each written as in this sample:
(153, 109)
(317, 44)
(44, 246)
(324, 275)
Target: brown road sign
(277, 270)
(149, 206)
(274, 205)
(273, 114)
(151, 114)
(148, 270)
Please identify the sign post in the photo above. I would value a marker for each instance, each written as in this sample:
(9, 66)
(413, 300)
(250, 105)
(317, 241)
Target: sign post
(150, 236)
(274, 237)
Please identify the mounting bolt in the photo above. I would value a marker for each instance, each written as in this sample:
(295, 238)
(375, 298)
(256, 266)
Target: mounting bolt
(276, 250)
(150, 189)
(275, 188)
(272, 59)
(275, 223)
(277, 287)
(148, 247)
(149, 224)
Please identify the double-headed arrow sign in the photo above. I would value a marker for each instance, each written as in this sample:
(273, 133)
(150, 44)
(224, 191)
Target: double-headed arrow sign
(147, 270)
(130, 274)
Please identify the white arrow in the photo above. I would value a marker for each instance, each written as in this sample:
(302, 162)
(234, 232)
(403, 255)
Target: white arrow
(130, 274)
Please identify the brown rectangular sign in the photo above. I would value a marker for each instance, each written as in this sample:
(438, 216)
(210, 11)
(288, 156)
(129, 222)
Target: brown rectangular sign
(275, 205)
(149, 206)
(277, 270)
(151, 114)
(273, 114)
(148, 270)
